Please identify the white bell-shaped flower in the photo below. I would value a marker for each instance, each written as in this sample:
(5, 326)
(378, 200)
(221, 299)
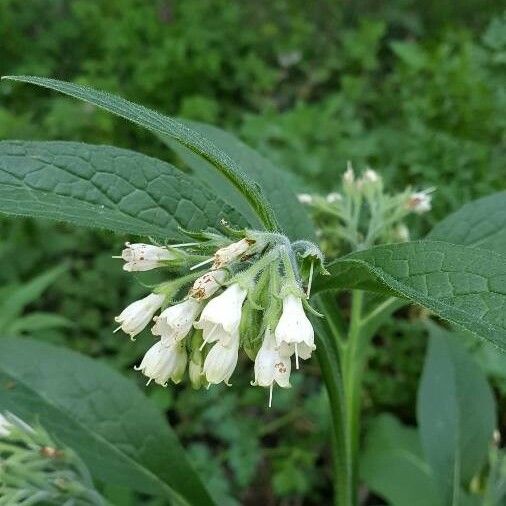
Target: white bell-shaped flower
(294, 332)
(163, 362)
(221, 361)
(271, 366)
(176, 321)
(227, 254)
(137, 315)
(221, 317)
(144, 257)
(208, 284)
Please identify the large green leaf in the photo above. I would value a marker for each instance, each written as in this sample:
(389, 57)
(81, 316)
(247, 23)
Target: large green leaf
(276, 184)
(101, 415)
(461, 284)
(106, 187)
(392, 465)
(456, 413)
(173, 128)
(481, 223)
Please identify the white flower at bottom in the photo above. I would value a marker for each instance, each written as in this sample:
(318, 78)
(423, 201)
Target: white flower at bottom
(271, 366)
(138, 314)
(144, 257)
(163, 362)
(221, 317)
(294, 332)
(176, 321)
(221, 361)
(420, 202)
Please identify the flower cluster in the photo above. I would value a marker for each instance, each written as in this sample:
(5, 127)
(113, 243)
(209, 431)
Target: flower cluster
(363, 214)
(254, 297)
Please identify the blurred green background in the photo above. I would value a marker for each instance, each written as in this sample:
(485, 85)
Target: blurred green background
(413, 88)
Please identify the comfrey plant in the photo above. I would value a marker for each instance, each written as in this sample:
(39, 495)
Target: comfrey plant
(252, 285)
(253, 297)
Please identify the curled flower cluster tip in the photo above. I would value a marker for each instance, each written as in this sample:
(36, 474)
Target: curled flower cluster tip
(253, 297)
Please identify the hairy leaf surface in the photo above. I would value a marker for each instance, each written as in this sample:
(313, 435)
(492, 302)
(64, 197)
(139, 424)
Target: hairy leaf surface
(464, 285)
(105, 187)
(481, 223)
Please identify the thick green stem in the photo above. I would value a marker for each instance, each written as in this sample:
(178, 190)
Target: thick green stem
(328, 353)
(353, 363)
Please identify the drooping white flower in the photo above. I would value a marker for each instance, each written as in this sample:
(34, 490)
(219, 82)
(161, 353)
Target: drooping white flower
(221, 361)
(227, 254)
(305, 198)
(176, 321)
(420, 202)
(208, 284)
(334, 197)
(221, 317)
(137, 315)
(5, 426)
(294, 332)
(271, 366)
(163, 362)
(144, 257)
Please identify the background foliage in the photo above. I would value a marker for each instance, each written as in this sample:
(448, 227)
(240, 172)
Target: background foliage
(414, 89)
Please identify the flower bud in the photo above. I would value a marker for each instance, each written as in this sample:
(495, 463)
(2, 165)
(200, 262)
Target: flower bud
(176, 321)
(401, 233)
(371, 177)
(208, 284)
(144, 257)
(137, 315)
(229, 253)
(294, 332)
(333, 197)
(163, 362)
(349, 176)
(304, 198)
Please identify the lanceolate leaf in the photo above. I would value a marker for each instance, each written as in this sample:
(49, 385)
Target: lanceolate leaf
(118, 433)
(456, 414)
(105, 187)
(481, 224)
(393, 466)
(276, 184)
(164, 125)
(461, 284)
